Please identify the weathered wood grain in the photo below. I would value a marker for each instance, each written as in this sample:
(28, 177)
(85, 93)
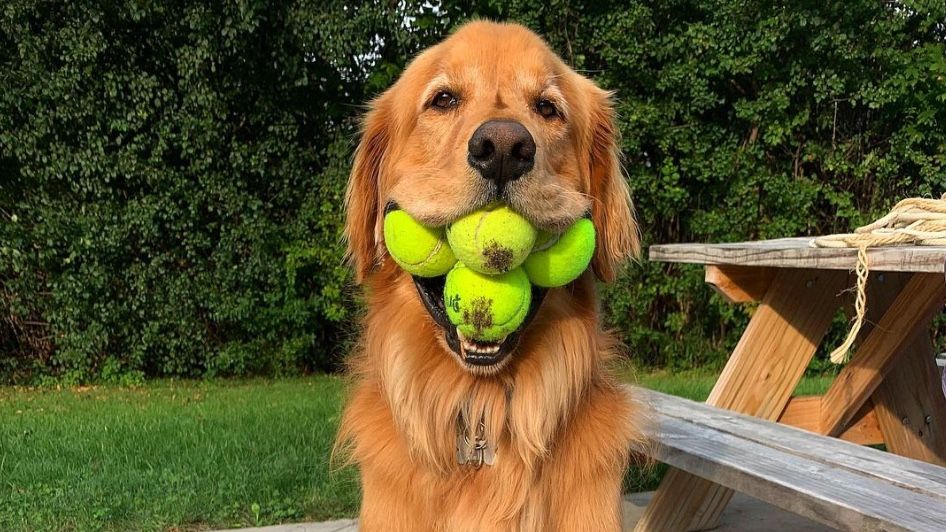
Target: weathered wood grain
(758, 380)
(837, 483)
(797, 253)
(910, 408)
(899, 470)
(804, 412)
(911, 311)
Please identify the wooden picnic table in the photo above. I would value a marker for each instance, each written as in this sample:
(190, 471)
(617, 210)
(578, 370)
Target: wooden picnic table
(889, 392)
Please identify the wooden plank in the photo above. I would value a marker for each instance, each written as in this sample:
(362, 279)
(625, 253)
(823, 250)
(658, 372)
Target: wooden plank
(911, 311)
(758, 380)
(864, 429)
(739, 284)
(911, 409)
(804, 412)
(797, 253)
(908, 473)
(830, 494)
(833, 496)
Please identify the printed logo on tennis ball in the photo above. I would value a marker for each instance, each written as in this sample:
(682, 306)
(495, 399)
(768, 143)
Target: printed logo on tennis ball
(419, 250)
(559, 259)
(492, 240)
(486, 307)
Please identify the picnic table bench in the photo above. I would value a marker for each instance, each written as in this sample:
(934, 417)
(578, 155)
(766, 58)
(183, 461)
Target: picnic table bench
(888, 393)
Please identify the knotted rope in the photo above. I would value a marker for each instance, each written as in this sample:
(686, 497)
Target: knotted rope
(913, 221)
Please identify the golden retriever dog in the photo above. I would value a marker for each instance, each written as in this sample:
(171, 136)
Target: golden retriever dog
(529, 433)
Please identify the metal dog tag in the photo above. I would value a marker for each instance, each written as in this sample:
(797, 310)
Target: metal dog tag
(476, 452)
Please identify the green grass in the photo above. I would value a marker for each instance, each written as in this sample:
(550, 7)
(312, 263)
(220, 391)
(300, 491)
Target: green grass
(196, 455)
(171, 455)
(696, 384)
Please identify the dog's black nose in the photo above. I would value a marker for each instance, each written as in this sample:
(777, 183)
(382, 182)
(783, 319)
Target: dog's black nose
(501, 150)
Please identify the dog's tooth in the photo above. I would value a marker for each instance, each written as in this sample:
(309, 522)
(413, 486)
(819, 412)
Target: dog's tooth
(463, 344)
(469, 346)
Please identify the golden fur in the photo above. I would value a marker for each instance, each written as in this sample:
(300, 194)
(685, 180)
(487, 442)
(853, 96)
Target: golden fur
(562, 428)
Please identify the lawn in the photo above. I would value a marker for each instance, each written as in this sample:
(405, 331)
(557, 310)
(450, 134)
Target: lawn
(196, 455)
(184, 455)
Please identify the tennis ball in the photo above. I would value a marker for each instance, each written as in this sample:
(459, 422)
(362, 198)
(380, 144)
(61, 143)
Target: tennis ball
(559, 259)
(486, 307)
(492, 240)
(418, 249)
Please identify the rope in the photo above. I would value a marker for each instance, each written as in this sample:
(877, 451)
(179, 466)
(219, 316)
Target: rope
(913, 221)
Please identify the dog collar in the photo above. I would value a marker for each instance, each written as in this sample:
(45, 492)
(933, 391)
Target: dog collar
(476, 451)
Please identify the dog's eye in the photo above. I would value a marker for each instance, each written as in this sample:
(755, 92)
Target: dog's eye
(546, 108)
(444, 100)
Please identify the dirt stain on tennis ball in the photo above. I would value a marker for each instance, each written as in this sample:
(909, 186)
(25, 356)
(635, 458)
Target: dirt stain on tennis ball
(498, 257)
(479, 314)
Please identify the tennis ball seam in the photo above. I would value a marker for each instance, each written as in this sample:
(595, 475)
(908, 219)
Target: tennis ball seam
(490, 247)
(498, 263)
(548, 243)
(522, 300)
(468, 317)
(406, 238)
(560, 264)
(426, 259)
(479, 225)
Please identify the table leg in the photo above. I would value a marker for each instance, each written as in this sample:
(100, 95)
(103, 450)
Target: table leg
(909, 405)
(883, 347)
(911, 409)
(758, 379)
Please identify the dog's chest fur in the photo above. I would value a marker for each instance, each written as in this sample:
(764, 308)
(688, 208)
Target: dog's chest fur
(516, 493)
(561, 428)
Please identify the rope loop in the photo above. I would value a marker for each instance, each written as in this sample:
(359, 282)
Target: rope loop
(913, 221)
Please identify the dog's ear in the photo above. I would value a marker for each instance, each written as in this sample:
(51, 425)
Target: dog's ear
(612, 211)
(362, 199)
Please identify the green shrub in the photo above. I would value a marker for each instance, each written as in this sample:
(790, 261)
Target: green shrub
(172, 173)
(172, 181)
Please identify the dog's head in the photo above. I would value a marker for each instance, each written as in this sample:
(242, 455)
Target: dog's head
(490, 114)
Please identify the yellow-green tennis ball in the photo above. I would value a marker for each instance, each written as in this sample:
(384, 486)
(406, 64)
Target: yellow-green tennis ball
(418, 249)
(486, 307)
(559, 261)
(492, 240)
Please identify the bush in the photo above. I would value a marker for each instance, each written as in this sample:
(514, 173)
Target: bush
(173, 176)
(172, 172)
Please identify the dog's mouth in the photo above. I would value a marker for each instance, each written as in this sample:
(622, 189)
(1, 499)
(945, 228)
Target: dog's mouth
(477, 356)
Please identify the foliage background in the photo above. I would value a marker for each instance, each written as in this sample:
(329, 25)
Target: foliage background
(171, 173)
